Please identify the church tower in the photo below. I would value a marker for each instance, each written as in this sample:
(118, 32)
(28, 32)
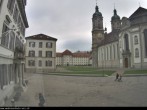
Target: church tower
(115, 21)
(97, 34)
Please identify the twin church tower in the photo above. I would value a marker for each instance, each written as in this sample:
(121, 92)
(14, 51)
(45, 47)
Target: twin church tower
(99, 33)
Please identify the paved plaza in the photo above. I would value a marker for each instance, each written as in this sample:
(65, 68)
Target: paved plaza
(78, 91)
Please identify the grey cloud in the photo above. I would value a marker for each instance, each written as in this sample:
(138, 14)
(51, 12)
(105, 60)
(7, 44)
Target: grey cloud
(66, 19)
(77, 44)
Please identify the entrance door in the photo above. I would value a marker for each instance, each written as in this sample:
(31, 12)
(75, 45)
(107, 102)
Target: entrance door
(126, 63)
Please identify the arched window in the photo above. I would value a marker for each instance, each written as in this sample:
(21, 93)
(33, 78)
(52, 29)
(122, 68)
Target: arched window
(110, 52)
(145, 41)
(107, 54)
(135, 39)
(114, 51)
(126, 42)
(136, 53)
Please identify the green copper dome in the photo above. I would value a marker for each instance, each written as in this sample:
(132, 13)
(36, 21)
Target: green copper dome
(115, 16)
(97, 13)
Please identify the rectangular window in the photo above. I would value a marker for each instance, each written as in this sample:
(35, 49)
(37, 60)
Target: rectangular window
(31, 63)
(32, 53)
(5, 36)
(48, 63)
(40, 54)
(40, 63)
(40, 44)
(31, 44)
(10, 5)
(48, 54)
(12, 38)
(48, 45)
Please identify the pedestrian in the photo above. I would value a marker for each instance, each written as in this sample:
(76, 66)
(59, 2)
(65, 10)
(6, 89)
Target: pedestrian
(41, 100)
(13, 102)
(117, 76)
(120, 78)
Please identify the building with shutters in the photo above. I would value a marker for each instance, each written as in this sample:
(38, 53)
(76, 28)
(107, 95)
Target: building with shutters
(40, 53)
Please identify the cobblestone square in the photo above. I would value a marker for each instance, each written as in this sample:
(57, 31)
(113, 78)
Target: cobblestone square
(83, 91)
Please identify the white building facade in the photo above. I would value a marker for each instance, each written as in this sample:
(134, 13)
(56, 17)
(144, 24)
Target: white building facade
(13, 23)
(67, 58)
(125, 46)
(40, 53)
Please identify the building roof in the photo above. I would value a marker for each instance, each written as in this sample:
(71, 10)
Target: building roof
(81, 54)
(115, 16)
(67, 52)
(139, 12)
(41, 37)
(76, 54)
(110, 37)
(97, 13)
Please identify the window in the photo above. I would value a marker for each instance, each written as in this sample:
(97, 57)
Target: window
(15, 15)
(114, 51)
(31, 63)
(48, 63)
(18, 43)
(110, 52)
(21, 25)
(40, 54)
(145, 41)
(48, 53)
(32, 53)
(48, 45)
(126, 42)
(136, 53)
(12, 38)
(40, 63)
(10, 5)
(31, 44)
(135, 40)
(40, 44)
(5, 36)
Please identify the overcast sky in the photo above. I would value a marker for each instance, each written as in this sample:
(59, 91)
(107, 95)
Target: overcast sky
(70, 21)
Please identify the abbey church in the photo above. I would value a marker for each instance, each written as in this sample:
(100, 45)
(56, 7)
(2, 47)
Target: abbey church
(125, 46)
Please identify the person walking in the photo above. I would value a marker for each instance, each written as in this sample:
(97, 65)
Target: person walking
(117, 76)
(41, 100)
(120, 78)
(13, 102)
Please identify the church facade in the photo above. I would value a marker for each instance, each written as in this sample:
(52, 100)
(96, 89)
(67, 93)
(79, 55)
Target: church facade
(125, 46)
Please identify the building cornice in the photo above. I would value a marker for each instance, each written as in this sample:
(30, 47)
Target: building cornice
(23, 13)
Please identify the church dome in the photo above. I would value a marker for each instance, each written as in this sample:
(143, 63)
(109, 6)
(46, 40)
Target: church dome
(97, 13)
(115, 16)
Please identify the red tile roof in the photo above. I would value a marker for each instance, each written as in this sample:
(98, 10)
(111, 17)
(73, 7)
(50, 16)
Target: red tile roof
(76, 54)
(67, 52)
